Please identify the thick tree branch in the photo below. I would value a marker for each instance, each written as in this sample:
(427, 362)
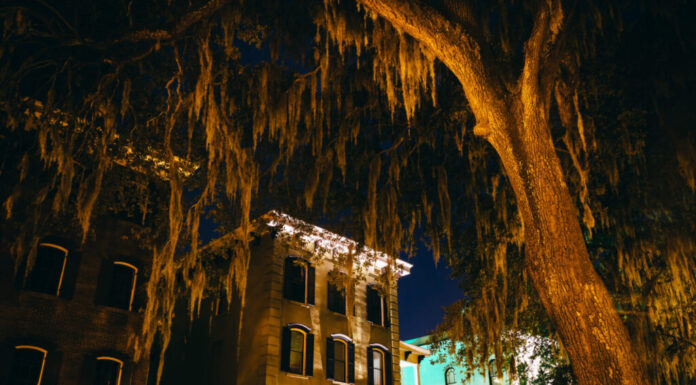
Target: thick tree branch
(191, 18)
(456, 48)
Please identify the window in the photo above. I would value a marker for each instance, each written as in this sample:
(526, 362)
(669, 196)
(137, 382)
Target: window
(377, 309)
(378, 366)
(27, 365)
(108, 371)
(46, 274)
(336, 299)
(340, 359)
(450, 377)
(298, 280)
(493, 373)
(122, 287)
(297, 350)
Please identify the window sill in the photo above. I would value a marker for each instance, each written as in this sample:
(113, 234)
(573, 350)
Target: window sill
(298, 376)
(308, 306)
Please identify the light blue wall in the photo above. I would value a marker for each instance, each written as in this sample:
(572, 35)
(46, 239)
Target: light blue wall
(408, 375)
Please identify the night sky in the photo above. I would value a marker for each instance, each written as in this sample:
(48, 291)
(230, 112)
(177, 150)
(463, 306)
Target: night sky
(423, 294)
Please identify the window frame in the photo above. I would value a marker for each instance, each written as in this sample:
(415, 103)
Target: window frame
(65, 252)
(43, 359)
(116, 360)
(449, 371)
(303, 364)
(382, 306)
(345, 359)
(295, 260)
(133, 281)
(382, 364)
(329, 290)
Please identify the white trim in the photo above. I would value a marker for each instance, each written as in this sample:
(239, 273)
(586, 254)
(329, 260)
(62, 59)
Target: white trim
(376, 345)
(415, 348)
(116, 360)
(43, 360)
(341, 336)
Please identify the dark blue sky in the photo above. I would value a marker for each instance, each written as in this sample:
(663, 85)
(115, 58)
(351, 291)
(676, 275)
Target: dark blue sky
(423, 294)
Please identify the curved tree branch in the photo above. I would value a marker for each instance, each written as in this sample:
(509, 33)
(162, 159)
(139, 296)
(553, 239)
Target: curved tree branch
(191, 18)
(456, 48)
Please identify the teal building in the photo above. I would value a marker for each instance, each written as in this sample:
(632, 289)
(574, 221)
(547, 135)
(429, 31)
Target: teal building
(440, 368)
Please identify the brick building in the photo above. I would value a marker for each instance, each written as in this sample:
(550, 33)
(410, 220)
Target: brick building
(295, 328)
(71, 320)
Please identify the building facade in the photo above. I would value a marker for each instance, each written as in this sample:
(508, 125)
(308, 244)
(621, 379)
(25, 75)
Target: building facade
(442, 369)
(72, 318)
(296, 325)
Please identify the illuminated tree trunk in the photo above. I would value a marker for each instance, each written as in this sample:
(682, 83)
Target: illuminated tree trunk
(516, 124)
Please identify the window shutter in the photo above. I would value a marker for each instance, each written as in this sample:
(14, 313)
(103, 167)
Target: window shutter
(329, 358)
(370, 368)
(387, 322)
(285, 350)
(373, 308)
(310, 285)
(104, 282)
(351, 363)
(287, 272)
(309, 355)
(387, 368)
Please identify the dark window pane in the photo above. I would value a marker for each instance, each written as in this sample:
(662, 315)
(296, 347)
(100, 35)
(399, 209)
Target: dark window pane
(295, 277)
(27, 365)
(339, 361)
(374, 306)
(336, 300)
(108, 372)
(46, 273)
(296, 351)
(122, 281)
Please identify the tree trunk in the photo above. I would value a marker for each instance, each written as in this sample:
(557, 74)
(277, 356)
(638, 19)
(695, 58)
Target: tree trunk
(515, 122)
(556, 259)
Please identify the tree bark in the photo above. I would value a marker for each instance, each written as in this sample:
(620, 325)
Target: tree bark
(517, 125)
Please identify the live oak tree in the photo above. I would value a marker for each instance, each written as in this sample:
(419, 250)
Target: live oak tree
(228, 98)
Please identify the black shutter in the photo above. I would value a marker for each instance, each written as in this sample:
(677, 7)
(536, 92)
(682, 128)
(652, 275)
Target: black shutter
(51, 367)
(309, 362)
(387, 368)
(285, 350)
(387, 322)
(370, 368)
(373, 306)
(287, 272)
(351, 363)
(310, 284)
(104, 282)
(329, 358)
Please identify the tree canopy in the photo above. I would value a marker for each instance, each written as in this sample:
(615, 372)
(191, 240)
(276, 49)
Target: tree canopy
(327, 110)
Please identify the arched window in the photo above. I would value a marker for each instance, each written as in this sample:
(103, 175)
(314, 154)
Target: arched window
(297, 350)
(450, 376)
(379, 370)
(46, 275)
(108, 371)
(298, 280)
(336, 298)
(122, 286)
(27, 365)
(340, 359)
